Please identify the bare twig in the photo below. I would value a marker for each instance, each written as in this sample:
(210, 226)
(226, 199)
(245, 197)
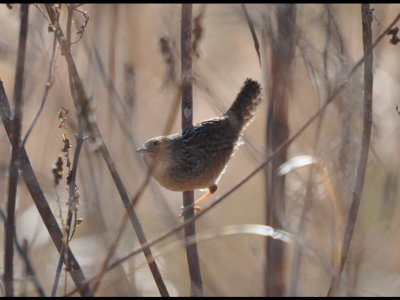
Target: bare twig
(115, 97)
(72, 194)
(47, 88)
(196, 286)
(71, 8)
(58, 271)
(71, 179)
(15, 154)
(365, 143)
(253, 32)
(28, 264)
(111, 62)
(70, 12)
(39, 198)
(100, 225)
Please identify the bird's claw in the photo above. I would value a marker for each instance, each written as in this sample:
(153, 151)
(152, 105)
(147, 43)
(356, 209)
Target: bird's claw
(184, 209)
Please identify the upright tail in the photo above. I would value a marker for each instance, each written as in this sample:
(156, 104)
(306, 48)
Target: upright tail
(246, 104)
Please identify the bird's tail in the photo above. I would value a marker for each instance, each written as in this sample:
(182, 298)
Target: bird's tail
(246, 104)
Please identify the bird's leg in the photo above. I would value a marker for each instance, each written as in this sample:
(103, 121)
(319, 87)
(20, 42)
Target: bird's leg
(211, 190)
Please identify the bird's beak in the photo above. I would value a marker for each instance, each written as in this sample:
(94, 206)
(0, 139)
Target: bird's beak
(142, 149)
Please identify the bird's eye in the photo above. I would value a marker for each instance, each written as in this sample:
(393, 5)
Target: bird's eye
(154, 144)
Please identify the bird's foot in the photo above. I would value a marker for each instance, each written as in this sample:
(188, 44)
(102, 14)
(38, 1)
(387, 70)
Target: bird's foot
(185, 209)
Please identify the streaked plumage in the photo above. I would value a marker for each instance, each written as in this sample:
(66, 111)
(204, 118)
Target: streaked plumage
(194, 158)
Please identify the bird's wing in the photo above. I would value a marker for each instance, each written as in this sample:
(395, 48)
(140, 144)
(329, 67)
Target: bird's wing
(204, 144)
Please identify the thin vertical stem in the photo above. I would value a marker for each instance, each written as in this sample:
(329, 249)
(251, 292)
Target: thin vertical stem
(72, 176)
(15, 154)
(196, 287)
(252, 31)
(366, 14)
(112, 58)
(283, 46)
(27, 262)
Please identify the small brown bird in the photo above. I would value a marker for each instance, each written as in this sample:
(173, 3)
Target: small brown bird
(194, 158)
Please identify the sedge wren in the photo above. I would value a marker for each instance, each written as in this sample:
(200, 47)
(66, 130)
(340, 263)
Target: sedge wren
(194, 158)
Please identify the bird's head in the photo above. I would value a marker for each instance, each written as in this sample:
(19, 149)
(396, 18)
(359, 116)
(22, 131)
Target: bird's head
(156, 148)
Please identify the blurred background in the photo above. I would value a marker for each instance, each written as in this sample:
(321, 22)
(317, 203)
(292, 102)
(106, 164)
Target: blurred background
(136, 47)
